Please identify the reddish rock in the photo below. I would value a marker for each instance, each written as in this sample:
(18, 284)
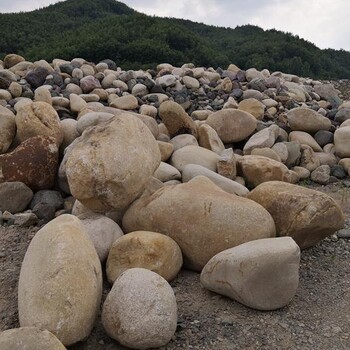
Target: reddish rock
(34, 162)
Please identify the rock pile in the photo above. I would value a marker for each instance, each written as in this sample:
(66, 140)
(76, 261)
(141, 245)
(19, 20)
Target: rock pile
(196, 166)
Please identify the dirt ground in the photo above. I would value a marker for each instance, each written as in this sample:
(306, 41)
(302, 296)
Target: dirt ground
(317, 318)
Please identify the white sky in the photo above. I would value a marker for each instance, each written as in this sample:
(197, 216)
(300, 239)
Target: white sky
(323, 22)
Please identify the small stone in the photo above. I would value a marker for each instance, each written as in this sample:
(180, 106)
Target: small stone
(125, 102)
(226, 165)
(321, 174)
(25, 219)
(344, 233)
(14, 196)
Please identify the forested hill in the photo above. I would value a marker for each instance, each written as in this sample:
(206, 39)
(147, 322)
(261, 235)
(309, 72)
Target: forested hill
(99, 29)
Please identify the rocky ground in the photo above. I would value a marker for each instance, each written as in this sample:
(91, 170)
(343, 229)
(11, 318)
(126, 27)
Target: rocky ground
(318, 316)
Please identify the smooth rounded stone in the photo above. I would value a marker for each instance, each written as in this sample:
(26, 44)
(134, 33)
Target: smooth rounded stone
(258, 169)
(194, 155)
(14, 197)
(308, 215)
(77, 73)
(31, 338)
(60, 101)
(139, 90)
(344, 233)
(22, 67)
(321, 175)
(208, 138)
(60, 284)
(261, 274)
(270, 102)
(149, 250)
(90, 97)
(176, 120)
(211, 76)
(326, 158)
(330, 148)
(262, 139)
(183, 140)
(201, 114)
(99, 172)
(166, 172)
(70, 132)
(191, 83)
(338, 171)
(281, 150)
(22, 102)
(251, 93)
(345, 163)
(323, 137)
(308, 158)
(127, 102)
(296, 91)
(44, 212)
(302, 172)
(305, 119)
(74, 89)
(5, 95)
(140, 311)
(342, 115)
(37, 76)
(34, 162)
(346, 123)
(42, 94)
(89, 83)
(294, 153)
(216, 219)
(328, 93)
(77, 104)
(252, 73)
(166, 150)
(166, 80)
(226, 165)
(252, 106)
(92, 119)
(266, 152)
(38, 118)
(53, 198)
(305, 139)
(151, 111)
(342, 142)
(7, 130)
(150, 123)
(15, 89)
(12, 59)
(190, 171)
(232, 125)
(102, 231)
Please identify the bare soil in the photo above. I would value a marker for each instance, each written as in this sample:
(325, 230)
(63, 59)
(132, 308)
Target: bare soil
(318, 317)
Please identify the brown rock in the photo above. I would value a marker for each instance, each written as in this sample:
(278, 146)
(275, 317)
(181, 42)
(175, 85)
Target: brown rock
(226, 165)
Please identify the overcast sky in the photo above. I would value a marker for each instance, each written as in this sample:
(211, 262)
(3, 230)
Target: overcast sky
(323, 22)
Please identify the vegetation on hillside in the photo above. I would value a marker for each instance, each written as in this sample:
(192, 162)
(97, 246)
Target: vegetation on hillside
(99, 29)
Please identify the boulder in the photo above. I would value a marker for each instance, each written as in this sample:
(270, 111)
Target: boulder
(127, 102)
(263, 138)
(92, 119)
(183, 140)
(232, 125)
(166, 172)
(149, 250)
(208, 138)
(34, 162)
(262, 274)
(166, 150)
(101, 172)
(342, 142)
(89, 83)
(140, 312)
(308, 159)
(252, 106)
(321, 175)
(266, 152)
(210, 221)
(60, 283)
(38, 118)
(12, 59)
(31, 338)
(37, 76)
(14, 197)
(226, 165)
(304, 214)
(305, 139)
(7, 130)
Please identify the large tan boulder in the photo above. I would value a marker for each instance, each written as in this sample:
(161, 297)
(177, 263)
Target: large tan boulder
(30, 338)
(342, 142)
(208, 138)
(232, 125)
(140, 312)
(149, 250)
(60, 283)
(7, 130)
(176, 119)
(306, 215)
(263, 138)
(305, 139)
(201, 218)
(38, 118)
(306, 119)
(12, 59)
(110, 164)
(261, 274)
(252, 106)
(258, 169)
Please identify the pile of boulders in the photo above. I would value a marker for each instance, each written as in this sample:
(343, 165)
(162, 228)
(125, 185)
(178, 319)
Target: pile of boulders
(143, 172)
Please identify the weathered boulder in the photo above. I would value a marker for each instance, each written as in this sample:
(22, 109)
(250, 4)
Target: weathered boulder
(263, 138)
(252, 106)
(140, 311)
(7, 130)
(305, 139)
(306, 215)
(166, 172)
(208, 138)
(211, 221)
(60, 283)
(262, 274)
(342, 142)
(14, 196)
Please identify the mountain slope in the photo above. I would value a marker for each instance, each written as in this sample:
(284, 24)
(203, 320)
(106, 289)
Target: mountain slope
(98, 29)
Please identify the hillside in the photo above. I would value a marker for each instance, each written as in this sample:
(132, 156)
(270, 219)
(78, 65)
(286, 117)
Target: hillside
(107, 28)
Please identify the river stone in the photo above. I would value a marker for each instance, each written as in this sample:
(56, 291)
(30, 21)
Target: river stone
(190, 171)
(92, 119)
(60, 283)
(176, 119)
(37, 76)
(342, 142)
(323, 137)
(226, 165)
(208, 138)
(38, 118)
(302, 172)
(77, 104)
(321, 175)
(53, 198)
(194, 155)
(102, 231)
(263, 138)
(149, 250)
(328, 93)
(191, 83)
(258, 169)
(89, 83)
(304, 214)
(70, 132)
(127, 102)
(183, 140)
(308, 120)
(281, 150)
(294, 153)
(215, 219)
(166, 150)
(34, 162)
(99, 172)
(12, 59)
(30, 338)
(140, 312)
(167, 172)
(308, 159)
(305, 139)
(7, 131)
(252, 106)
(14, 197)
(232, 125)
(262, 274)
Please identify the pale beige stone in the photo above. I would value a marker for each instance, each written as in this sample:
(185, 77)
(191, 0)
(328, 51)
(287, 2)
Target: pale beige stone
(70, 132)
(127, 102)
(262, 139)
(308, 158)
(151, 111)
(208, 138)
(43, 94)
(183, 140)
(303, 173)
(77, 104)
(226, 165)
(166, 172)
(305, 139)
(252, 106)
(266, 152)
(15, 89)
(7, 129)
(342, 142)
